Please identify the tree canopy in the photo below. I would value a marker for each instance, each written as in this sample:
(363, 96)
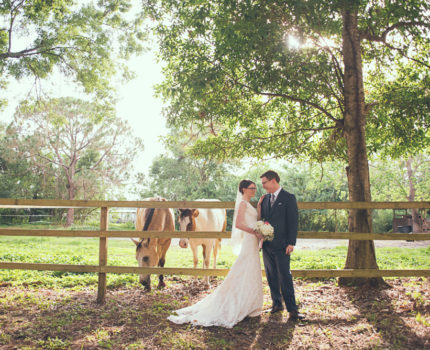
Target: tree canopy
(269, 79)
(88, 41)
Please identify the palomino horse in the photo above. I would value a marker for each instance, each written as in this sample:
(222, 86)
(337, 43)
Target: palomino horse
(202, 220)
(152, 251)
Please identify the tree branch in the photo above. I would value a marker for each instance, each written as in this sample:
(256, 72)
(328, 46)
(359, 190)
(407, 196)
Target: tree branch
(307, 139)
(23, 53)
(368, 107)
(339, 123)
(381, 38)
(55, 149)
(104, 154)
(339, 74)
(404, 55)
(37, 50)
(339, 100)
(314, 130)
(13, 14)
(50, 160)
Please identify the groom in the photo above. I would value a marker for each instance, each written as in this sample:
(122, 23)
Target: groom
(279, 208)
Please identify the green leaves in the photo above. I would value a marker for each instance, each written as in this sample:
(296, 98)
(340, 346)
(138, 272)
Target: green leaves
(399, 124)
(87, 41)
(179, 177)
(231, 74)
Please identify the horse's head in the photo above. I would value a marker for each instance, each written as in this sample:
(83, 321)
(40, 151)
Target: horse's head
(148, 219)
(187, 222)
(146, 256)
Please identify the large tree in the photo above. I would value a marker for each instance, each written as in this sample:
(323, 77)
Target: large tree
(86, 40)
(300, 79)
(88, 146)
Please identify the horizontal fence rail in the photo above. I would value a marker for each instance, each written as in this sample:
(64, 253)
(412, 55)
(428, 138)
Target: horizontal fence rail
(51, 203)
(103, 233)
(210, 272)
(210, 234)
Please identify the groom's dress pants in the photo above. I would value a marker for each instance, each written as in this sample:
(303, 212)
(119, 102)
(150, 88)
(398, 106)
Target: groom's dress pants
(277, 266)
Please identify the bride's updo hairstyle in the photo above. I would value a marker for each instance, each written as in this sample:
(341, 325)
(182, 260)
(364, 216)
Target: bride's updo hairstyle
(245, 184)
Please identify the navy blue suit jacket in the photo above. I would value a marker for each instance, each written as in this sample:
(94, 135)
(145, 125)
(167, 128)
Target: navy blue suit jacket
(284, 217)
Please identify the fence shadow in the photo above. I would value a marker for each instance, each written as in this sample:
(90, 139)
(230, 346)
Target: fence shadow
(376, 306)
(275, 333)
(253, 333)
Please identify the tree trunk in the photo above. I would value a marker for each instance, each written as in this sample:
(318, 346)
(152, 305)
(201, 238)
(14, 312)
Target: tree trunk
(70, 174)
(416, 222)
(361, 254)
(70, 211)
(70, 214)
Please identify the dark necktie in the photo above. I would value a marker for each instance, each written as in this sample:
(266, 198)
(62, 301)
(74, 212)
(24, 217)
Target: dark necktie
(272, 199)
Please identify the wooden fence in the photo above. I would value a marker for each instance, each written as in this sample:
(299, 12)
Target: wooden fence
(104, 233)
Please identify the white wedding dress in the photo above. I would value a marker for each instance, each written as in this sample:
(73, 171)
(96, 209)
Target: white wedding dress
(239, 295)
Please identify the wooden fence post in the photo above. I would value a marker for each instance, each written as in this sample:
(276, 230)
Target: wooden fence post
(103, 250)
(335, 220)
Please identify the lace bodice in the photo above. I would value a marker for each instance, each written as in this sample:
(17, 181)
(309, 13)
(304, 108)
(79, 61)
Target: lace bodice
(250, 214)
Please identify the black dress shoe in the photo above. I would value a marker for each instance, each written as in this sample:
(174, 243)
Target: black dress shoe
(295, 315)
(276, 308)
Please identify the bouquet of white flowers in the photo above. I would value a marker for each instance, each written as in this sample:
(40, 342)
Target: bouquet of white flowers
(264, 228)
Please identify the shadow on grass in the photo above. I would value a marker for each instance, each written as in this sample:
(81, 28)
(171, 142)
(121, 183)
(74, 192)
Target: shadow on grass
(376, 306)
(129, 319)
(275, 333)
(252, 333)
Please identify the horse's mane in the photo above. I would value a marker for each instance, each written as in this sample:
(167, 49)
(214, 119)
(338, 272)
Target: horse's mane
(151, 199)
(147, 213)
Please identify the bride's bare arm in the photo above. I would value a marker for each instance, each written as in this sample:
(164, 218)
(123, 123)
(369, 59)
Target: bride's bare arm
(240, 220)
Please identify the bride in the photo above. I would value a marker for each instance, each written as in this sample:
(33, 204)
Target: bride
(241, 292)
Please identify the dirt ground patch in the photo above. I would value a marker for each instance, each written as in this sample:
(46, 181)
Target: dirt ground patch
(337, 318)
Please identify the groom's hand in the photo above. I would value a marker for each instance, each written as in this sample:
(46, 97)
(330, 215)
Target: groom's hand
(289, 249)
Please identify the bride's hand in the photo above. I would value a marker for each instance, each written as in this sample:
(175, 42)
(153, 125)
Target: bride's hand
(261, 200)
(258, 235)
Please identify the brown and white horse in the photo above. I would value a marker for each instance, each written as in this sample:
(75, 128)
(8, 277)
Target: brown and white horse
(202, 220)
(151, 252)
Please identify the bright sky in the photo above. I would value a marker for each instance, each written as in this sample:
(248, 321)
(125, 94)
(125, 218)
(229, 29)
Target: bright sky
(137, 104)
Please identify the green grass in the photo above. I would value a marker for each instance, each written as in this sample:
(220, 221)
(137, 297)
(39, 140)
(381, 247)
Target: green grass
(84, 251)
(52, 226)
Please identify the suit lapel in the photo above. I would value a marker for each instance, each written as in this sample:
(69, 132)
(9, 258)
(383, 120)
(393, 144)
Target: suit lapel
(266, 204)
(271, 207)
(278, 198)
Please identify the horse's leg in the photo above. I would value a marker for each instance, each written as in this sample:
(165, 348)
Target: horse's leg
(204, 266)
(216, 248)
(194, 248)
(204, 256)
(207, 258)
(163, 248)
(161, 283)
